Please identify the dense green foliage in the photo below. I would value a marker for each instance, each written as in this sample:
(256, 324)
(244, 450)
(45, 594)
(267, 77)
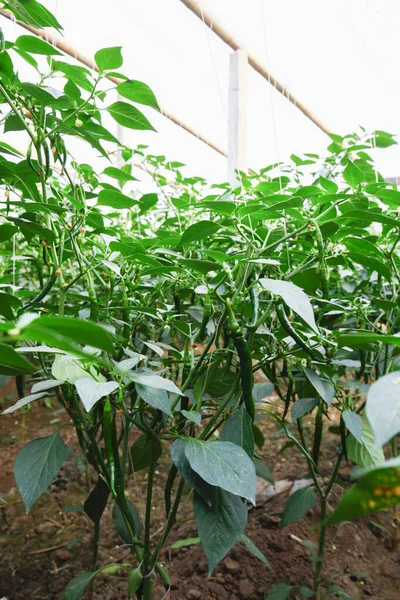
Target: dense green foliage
(154, 311)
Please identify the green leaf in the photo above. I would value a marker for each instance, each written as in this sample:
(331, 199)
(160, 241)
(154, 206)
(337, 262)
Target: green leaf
(302, 407)
(355, 340)
(120, 523)
(140, 452)
(252, 548)
(12, 363)
(135, 579)
(353, 175)
(298, 505)
(156, 397)
(366, 453)
(294, 297)
(96, 502)
(383, 407)
(353, 423)
(185, 543)
(220, 525)
(262, 390)
(115, 199)
(8, 304)
(78, 585)
(35, 45)
(238, 430)
(23, 402)
(192, 415)
(376, 490)
(263, 471)
(129, 116)
(109, 58)
(189, 475)
(223, 464)
(119, 174)
(91, 391)
(36, 466)
(281, 591)
(7, 231)
(372, 264)
(57, 330)
(155, 381)
(324, 387)
(137, 91)
(199, 231)
(363, 246)
(33, 13)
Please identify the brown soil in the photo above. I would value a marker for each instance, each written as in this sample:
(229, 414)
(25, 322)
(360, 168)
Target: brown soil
(42, 551)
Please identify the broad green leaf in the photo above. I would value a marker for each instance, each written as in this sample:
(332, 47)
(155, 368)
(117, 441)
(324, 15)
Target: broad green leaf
(129, 116)
(137, 91)
(69, 368)
(118, 174)
(355, 340)
(353, 423)
(294, 297)
(56, 330)
(223, 464)
(220, 525)
(7, 231)
(370, 216)
(298, 505)
(36, 466)
(115, 199)
(35, 45)
(140, 452)
(8, 303)
(302, 407)
(96, 502)
(23, 402)
(185, 543)
(77, 587)
(379, 488)
(353, 175)
(109, 58)
(371, 263)
(324, 387)
(252, 548)
(135, 579)
(383, 407)
(263, 471)
(184, 469)
(11, 363)
(192, 415)
(360, 245)
(155, 396)
(48, 384)
(119, 522)
(155, 381)
(199, 231)
(262, 390)
(91, 391)
(281, 591)
(238, 430)
(33, 13)
(366, 453)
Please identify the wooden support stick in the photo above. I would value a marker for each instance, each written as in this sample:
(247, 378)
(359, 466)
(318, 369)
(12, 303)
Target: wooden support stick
(62, 45)
(216, 25)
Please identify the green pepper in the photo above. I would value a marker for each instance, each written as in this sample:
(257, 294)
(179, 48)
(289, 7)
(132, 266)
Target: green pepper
(287, 326)
(246, 363)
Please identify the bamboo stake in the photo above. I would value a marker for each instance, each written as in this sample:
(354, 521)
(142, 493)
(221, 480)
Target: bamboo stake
(235, 43)
(62, 45)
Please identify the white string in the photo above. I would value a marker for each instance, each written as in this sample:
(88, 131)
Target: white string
(274, 128)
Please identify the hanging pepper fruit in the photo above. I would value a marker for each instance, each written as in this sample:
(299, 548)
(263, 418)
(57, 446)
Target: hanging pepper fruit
(287, 326)
(246, 364)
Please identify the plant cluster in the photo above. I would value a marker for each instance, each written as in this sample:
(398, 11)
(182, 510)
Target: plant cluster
(154, 312)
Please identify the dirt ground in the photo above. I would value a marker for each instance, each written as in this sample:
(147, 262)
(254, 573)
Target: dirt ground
(42, 551)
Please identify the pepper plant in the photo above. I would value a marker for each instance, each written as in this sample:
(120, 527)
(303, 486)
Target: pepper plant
(149, 316)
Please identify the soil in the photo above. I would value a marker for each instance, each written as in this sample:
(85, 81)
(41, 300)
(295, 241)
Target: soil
(40, 552)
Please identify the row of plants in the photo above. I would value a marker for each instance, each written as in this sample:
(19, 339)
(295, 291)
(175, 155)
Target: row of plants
(154, 312)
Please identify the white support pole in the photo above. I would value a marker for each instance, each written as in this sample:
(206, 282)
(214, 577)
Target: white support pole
(238, 73)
